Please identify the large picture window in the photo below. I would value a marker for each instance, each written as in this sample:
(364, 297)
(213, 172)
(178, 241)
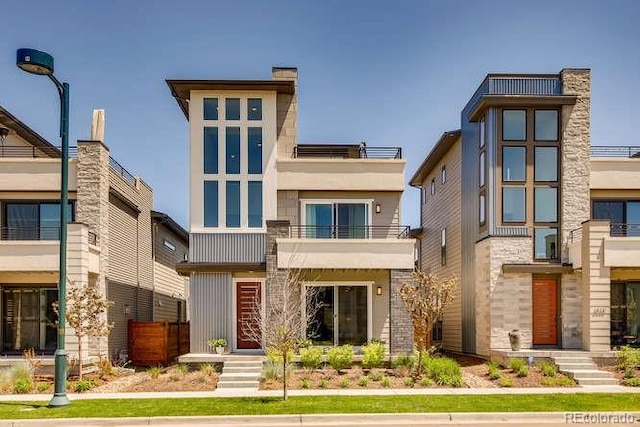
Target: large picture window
(546, 125)
(33, 220)
(513, 204)
(514, 163)
(546, 164)
(514, 125)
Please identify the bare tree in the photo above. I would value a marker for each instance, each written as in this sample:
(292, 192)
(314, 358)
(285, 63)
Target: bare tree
(86, 314)
(283, 324)
(426, 298)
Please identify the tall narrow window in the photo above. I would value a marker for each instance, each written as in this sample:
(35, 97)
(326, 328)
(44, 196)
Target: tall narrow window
(482, 166)
(254, 109)
(482, 206)
(546, 164)
(443, 174)
(255, 203)
(232, 109)
(545, 204)
(513, 204)
(514, 125)
(545, 242)
(210, 150)
(233, 204)
(433, 186)
(481, 131)
(210, 108)
(254, 140)
(211, 203)
(514, 164)
(233, 150)
(443, 247)
(546, 125)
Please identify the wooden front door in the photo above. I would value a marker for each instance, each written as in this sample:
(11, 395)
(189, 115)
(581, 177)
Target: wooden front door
(545, 312)
(248, 305)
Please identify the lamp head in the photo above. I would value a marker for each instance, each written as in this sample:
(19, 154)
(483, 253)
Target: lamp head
(34, 61)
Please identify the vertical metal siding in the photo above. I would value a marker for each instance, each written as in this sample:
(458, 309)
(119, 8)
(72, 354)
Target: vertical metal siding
(211, 309)
(525, 86)
(228, 247)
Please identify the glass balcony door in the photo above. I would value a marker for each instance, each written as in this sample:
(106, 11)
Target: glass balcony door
(325, 220)
(341, 315)
(28, 320)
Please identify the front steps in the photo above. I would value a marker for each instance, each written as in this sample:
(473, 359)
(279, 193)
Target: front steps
(582, 369)
(241, 373)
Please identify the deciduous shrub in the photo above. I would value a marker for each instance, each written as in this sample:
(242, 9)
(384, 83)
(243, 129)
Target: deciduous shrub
(311, 357)
(629, 357)
(373, 355)
(443, 371)
(23, 386)
(83, 385)
(341, 357)
(515, 364)
(548, 369)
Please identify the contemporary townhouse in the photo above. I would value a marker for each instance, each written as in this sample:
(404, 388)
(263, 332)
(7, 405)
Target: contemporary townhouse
(517, 183)
(261, 204)
(114, 241)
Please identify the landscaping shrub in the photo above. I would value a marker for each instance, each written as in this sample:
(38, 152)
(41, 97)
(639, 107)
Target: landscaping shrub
(275, 356)
(305, 384)
(506, 382)
(443, 371)
(426, 382)
(629, 357)
(386, 382)
(105, 367)
(341, 357)
(548, 369)
(629, 372)
(522, 371)
(207, 369)
(632, 382)
(42, 387)
(23, 386)
(557, 381)
(376, 376)
(373, 355)
(363, 381)
(154, 372)
(344, 383)
(311, 357)
(494, 369)
(409, 382)
(183, 368)
(407, 360)
(516, 364)
(83, 385)
(323, 384)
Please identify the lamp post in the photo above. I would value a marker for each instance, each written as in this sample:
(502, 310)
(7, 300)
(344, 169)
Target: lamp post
(41, 63)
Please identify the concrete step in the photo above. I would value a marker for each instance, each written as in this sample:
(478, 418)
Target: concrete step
(576, 366)
(597, 381)
(239, 384)
(559, 360)
(244, 376)
(243, 363)
(241, 369)
(584, 374)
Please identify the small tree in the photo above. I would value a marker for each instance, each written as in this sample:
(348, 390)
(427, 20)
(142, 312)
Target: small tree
(282, 325)
(426, 298)
(86, 314)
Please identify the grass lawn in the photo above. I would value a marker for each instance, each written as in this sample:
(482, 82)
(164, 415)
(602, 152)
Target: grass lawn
(113, 408)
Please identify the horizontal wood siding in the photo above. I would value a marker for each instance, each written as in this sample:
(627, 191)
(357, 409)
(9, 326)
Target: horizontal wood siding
(122, 242)
(439, 211)
(157, 343)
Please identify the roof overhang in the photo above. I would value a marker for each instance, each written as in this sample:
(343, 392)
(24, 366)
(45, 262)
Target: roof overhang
(538, 268)
(186, 268)
(181, 89)
(488, 101)
(171, 224)
(438, 151)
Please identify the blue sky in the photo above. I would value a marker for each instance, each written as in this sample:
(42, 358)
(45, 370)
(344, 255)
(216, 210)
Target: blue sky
(390, 73)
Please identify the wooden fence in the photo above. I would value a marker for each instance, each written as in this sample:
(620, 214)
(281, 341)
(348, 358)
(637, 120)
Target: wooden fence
(157, 343)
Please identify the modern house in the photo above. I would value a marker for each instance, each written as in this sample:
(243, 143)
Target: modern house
(115, 241)
(261, 204)
(507, 206)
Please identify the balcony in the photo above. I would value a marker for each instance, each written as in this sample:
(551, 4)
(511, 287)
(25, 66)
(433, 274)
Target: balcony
(618, 245)
(33, 152)
(342, 167)
(344, 247)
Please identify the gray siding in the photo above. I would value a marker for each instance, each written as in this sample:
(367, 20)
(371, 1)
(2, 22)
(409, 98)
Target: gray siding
(139, 302)
(211, 309)
(227, 247)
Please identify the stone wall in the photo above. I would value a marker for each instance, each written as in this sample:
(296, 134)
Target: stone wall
(286, 113)
(571, 294)
(401, 327)
(288, 206)
(275, 276)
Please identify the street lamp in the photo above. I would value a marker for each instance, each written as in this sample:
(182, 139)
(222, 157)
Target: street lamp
(37, 62)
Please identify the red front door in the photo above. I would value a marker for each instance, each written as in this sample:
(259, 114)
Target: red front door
(545, 312)
(248, 303)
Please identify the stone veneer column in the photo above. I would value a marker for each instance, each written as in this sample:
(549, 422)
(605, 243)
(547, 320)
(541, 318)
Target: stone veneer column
(286, 112)
(273, 296)
(92, 208)
(78, 276)
(401, 334)
(596, 284)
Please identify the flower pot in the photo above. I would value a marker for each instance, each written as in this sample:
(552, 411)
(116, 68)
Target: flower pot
(219, 350)
(514, 340)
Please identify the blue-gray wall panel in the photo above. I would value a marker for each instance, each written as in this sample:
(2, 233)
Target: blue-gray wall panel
(525, 86)
(211, 309)
(227, 247)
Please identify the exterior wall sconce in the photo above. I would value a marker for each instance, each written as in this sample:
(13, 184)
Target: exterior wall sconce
(378, 208)
(379, 290)
(127, 310)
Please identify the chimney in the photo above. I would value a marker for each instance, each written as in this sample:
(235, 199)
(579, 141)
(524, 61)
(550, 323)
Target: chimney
(97, 126)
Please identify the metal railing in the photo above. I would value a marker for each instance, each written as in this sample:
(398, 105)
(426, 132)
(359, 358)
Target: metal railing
(575, 235)
(616, 151)
(120, 170)
(514, 231)
(30, 233)
(349, 232)
(22, 151)
(345, 151)
(624, 230)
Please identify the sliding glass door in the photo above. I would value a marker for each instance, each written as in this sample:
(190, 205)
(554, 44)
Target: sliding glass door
(325, 220)
(28, 320)
(340, 314)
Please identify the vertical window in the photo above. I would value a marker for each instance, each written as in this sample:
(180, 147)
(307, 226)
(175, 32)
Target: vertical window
(545, 204)
(210, 108)
(514, 125)
(232, 109)
(481, 176)
(514, 163)
(233, 204)
(482, 209)
(210, 150)
(233, 150)
(513, 204)
(546, 241)
(255, 203)
(443, 174)
(211, 203)
(254, 109)
(254, 140)
(481, 131)
(546, 164)
(433, 186)
(545, 125)
(443, 247)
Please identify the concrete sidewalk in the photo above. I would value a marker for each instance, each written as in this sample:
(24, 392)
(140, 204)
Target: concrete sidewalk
(333, 392)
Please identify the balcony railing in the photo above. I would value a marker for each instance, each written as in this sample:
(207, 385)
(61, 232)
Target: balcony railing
(21, 151)
(514, 231)
(37, 233)
(346, 151)
(616, 151)
(575, 235)
(349, 232)
(120, 170)
(624, 230)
